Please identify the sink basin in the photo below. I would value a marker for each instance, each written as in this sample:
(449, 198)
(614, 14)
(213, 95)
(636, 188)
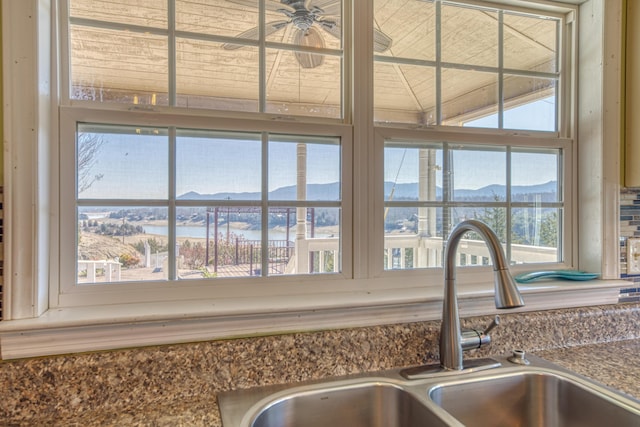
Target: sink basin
(532, 399)
(538, 395)
(369, 404)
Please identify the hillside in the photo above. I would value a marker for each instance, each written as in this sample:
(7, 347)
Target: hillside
(98, 247)
(402, 191)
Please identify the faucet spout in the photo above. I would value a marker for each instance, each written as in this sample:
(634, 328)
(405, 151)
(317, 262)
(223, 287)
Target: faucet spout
(506, 291)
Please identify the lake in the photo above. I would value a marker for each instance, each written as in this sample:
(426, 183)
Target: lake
(200, 232)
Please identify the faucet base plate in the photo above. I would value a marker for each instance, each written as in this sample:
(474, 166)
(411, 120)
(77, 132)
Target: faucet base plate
(427, 371)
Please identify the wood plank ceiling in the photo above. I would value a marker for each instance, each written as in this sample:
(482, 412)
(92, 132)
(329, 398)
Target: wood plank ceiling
(111, 62)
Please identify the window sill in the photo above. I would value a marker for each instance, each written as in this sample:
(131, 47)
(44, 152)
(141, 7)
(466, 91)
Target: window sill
(72, 330)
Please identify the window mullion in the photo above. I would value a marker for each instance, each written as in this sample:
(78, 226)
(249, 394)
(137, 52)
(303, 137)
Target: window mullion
(367, 149)
(562, 79)
(438, 63)
(500, 69)
(264, 228)
(447, 189)
(262, 60)
(172, 57)
(509, 209)
(171, 225)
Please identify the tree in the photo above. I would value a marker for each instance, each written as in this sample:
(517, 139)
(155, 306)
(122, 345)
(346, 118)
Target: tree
(155, 245)
(495, 218)
(89, 146)
(549, 230)
(193, 254)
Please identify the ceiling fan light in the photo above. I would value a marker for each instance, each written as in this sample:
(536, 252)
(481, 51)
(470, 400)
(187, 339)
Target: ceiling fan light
(309, 38)
(309, 60)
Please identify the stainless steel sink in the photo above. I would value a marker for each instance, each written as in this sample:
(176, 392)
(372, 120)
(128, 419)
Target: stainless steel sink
(533, 398)
(540, 394)
(367, 404)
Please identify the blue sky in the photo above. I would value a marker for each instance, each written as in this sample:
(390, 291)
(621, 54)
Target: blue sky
(135, 166)
(475, 169)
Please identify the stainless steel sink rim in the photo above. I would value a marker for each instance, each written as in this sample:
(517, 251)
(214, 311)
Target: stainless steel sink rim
(323, 387)
(497, 396)
(241, 408)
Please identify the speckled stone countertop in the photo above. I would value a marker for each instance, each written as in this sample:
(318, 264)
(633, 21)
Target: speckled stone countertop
(614, 364)
(608, 363)
(178, 385)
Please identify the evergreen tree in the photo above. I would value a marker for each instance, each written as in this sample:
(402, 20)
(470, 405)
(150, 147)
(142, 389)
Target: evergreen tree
(549, 230)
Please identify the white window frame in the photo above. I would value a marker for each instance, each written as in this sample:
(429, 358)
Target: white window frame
(34, 325)
(68, 294)
(479, 137)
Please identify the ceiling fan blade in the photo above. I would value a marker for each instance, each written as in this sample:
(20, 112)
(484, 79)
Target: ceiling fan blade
(273, 26)
(332, 28)
(254, 33)
(328, 7)
(309, 38)
(272, 5)
(381, 41)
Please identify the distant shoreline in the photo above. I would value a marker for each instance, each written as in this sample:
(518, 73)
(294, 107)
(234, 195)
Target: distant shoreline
(326, 231)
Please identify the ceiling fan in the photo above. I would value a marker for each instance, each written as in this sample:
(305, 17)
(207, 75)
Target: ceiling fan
(306, 16)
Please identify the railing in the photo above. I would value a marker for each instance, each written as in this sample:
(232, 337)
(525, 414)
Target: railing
(110, 270)
(322, 255)
(402, 251)
(412, 251)
(249, 253)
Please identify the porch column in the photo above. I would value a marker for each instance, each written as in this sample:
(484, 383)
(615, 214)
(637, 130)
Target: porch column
(426, 216)
(302, 253)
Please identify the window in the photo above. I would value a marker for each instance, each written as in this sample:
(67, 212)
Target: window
(459, 65)
(429, 188)
(452, 62)
(134, 219)
(169, 191)
(190, 200)
(378, 95)
(238, 55)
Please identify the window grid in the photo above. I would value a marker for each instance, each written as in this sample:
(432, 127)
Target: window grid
(448, 204)
(172, 202)
(172, 35)
(421, 135)
(499, 69)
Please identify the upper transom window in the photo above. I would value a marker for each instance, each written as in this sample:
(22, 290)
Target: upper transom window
(280, 57)
(451, 64)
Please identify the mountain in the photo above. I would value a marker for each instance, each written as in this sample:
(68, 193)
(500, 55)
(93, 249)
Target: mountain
(325, 192)
(547, 192)
(406, 191)
(409, 191)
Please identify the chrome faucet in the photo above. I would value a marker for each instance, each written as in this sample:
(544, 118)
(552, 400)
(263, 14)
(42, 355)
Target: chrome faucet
(453, 341)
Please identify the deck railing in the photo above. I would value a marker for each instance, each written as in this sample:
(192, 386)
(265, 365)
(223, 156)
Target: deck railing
(402, 251)
(412, 251)
(322, 255)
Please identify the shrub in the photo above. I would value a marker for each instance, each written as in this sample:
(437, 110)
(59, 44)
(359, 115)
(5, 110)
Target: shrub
(128, 260)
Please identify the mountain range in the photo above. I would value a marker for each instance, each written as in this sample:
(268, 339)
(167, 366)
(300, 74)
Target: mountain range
(407, 191)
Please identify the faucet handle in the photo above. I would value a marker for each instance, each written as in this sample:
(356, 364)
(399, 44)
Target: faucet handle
(495, 322)
(475, 338)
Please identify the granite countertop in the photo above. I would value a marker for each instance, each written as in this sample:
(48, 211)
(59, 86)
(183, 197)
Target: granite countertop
(178, 385)
(613, 364)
